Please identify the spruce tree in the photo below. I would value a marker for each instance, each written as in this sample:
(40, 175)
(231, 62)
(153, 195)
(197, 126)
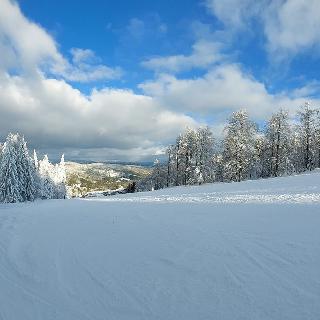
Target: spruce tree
(10, 183)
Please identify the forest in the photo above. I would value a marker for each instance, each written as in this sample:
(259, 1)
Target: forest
(284, 146)
(25, 178)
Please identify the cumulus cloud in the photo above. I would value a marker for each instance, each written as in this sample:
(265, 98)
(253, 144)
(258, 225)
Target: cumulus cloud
(53, 114)
(27, 47)
(223, 89)
(293, 26)
(235, 13)
(85, 67)
(37, 100)
(204, 53)
(290, 26)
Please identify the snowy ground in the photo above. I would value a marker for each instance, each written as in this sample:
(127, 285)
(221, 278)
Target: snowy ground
(246, 250)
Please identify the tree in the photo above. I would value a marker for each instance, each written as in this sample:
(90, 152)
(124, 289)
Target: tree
(317, 137)
(188, 149)
(158, 175)
(35, 160)
(46, 172)
(23, 178)
(131, 188)
(170, 151)
(17, 174)
(26, 171)
(278, 139)
(60, 179)
(204, 154)
(307, 135)
(245, 152)
(178, 159)
(238, 147)
(9, 180)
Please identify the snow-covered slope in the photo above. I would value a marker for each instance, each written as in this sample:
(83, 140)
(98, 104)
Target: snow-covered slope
(247, 250)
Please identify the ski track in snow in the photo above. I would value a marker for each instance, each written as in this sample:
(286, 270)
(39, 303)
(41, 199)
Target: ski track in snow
(234, 251)
(215, 197)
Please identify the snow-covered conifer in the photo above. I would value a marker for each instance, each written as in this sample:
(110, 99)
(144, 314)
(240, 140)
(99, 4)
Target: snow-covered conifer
(10, 183)
(46, 172)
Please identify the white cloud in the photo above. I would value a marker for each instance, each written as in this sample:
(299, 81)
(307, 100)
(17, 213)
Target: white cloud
(27, 47)
(221, 90)
(85, 67)
(235, 13)
(30, 44)
(82, 55)
(53, 114)
(290, 26)
(293, 26)
(204, 53)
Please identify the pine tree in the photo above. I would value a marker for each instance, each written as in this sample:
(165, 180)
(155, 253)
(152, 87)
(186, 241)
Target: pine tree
(10, 184)
(35, 160)
(60, 179)
(26, 171)
(46, 171)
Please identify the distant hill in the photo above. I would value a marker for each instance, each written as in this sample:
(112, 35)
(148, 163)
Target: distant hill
(87, 177)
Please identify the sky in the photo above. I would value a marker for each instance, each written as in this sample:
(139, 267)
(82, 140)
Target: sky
(119, 80)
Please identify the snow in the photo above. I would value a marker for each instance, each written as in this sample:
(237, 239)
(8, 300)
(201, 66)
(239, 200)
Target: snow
(248, 250)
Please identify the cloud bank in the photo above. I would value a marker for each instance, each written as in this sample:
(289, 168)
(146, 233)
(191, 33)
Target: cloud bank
(36, 100)
(38, 96)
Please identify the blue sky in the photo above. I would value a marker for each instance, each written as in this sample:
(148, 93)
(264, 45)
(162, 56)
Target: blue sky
(120, 79)
(121, 33)
(125, 33)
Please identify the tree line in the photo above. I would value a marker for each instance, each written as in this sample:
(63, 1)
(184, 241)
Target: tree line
(25, 178)
(283, 147)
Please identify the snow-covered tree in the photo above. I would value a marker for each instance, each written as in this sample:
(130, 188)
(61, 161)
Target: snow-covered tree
(238, 147)
(281, 148)
(279, 144)
(46, 172)
(35, 160)
(60, 179)
(187, 153)
(26, 170)
(157, 175)
(317, 138)
(10, 182)
(178, 160)
(307, 132)
(17, 173)
(53, 179)
(23, 178)
(170, 152)
(204, 155)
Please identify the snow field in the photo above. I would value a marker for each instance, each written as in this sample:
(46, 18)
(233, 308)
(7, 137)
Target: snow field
(117, 258)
